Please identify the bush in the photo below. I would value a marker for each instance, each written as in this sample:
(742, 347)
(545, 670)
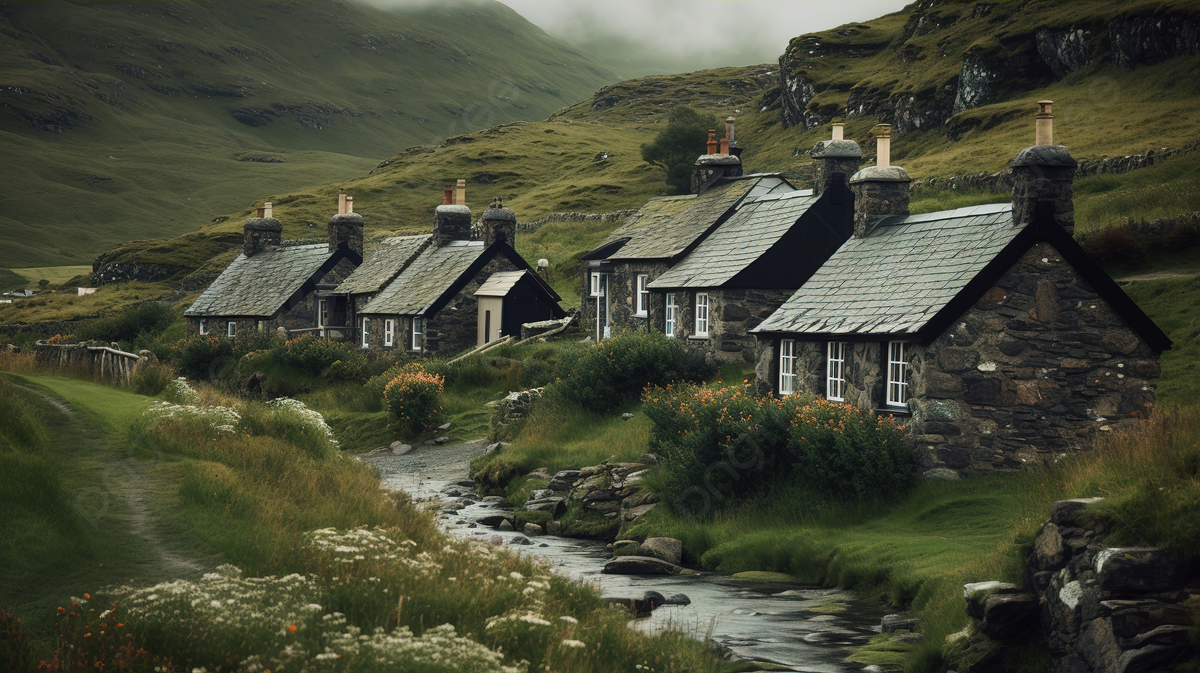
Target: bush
(199, 357)
(151, 378)
(727, 442)
(612, 373)
(413, 397)
(141, 321)
(536, 373)
(313, 355)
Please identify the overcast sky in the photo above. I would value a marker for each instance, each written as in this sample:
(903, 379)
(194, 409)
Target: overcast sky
(682, 35)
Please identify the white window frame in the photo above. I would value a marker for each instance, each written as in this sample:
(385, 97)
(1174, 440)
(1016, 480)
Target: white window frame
(787, 367)
(701, 322)
(365, 341)
(231, 329)
(322, 307)
(597, 285)
(203, 327)
(389, 332)
(418, 332)
(897, 374)
(835, 371)
(643, 295)
(671, 322)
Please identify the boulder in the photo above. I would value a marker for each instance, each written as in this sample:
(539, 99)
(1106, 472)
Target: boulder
(635, 512)
(539, 493)
(901, 622)
(563, 480)
(626, 416)
(400, 448)
(625, 547)
(532, 529)
(640, 565)
(1097, 645)
(505, 525)
(678, 599)
(666, 548)
(1064, 512)
(553, 527)
(1140, 569)
(556, 506)
(1047, 549)
(977, 592)
(441, 440)
(1148, 658)
(491, 520)
(444, 427)
(1007, 616)
(1130, 618)
(520, 539)
(648, 459)
(604, 506)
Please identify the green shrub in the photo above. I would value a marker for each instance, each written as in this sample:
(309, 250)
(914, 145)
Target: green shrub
(726, 442)
(616, 371)
(536, 373)
(198, 357)
(353, 368)
(312, 355)
(151, 378)
(141, 321)
(414, 397)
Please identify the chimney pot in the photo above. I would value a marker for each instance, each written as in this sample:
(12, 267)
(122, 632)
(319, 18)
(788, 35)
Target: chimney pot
(712, 141)
(729, 129)
(543, 269)
(724, 145)
(883, 145)
(349, 205)
(837, 130)
(261, 211)
(448, 196)
(341, 202)
(267, 209)
(1044, 124)
(460, 192)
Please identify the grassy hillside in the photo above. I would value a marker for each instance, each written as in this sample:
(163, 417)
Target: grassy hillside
(147, 120)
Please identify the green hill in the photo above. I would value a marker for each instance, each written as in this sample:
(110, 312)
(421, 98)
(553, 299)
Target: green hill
(127, 120)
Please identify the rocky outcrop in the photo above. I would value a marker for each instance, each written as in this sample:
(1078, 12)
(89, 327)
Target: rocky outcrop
(1063, 51)
(592, 218)
(985, 74)
(1099, 608)
(608, 491)
(512, 411)
(124, 272)
(1148, 39)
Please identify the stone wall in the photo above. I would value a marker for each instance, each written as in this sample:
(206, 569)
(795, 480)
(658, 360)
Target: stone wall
(592, 218)
(1039, 366)
(1099, 608)
(864, 370)
(125, 272)
(621, 291)
(731, 316)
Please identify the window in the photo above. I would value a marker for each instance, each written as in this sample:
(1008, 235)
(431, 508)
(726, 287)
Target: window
(597, 286)
(672, 315)
(322, 307)
(365, 341)
(389, 332)
(203, 326)
(643, 296)
(897, 375)
(701, 315)
(231, 328)
(835, 372)
(787, 367)
(418, 333)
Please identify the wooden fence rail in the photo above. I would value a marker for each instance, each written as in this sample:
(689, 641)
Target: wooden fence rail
(101, 362)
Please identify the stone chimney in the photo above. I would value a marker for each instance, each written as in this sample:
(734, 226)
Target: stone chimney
(880, 191)
(460, 193)
(451, 222)
(834, 156)
(499, 224)
(1044, 172)
(261, 232)
(543, 269)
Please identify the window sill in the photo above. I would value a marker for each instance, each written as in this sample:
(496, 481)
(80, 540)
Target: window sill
(894, 411)
(640, 315)
(698, 337)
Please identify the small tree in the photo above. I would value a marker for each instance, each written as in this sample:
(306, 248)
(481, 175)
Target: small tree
(675, 148)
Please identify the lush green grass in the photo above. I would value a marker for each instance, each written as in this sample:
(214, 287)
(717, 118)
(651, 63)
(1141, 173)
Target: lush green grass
(1172, 305)
(336, 90)
(12, 279)
(1166, 190)
(59, 305)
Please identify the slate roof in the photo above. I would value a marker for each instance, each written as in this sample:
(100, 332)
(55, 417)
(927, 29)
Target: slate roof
(743, 238)
(665, 226)
(388, 257)
(260, 285)
(499, 283)
(897, 278)
(426, 279)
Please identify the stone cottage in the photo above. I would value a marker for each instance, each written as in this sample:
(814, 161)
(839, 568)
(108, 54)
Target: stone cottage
(617, 275)
(431, 305)
(988, 327)
(274, 283)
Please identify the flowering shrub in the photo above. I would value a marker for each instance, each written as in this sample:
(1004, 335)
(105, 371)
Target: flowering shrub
(413, 396)
(723, 442)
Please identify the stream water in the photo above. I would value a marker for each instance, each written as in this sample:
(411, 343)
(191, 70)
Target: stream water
(803, 628)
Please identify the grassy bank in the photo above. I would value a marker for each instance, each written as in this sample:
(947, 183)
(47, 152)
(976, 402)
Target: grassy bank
(266, 488)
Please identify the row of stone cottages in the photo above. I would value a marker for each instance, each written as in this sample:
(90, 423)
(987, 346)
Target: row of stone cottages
(999, 338)
(441, 291)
